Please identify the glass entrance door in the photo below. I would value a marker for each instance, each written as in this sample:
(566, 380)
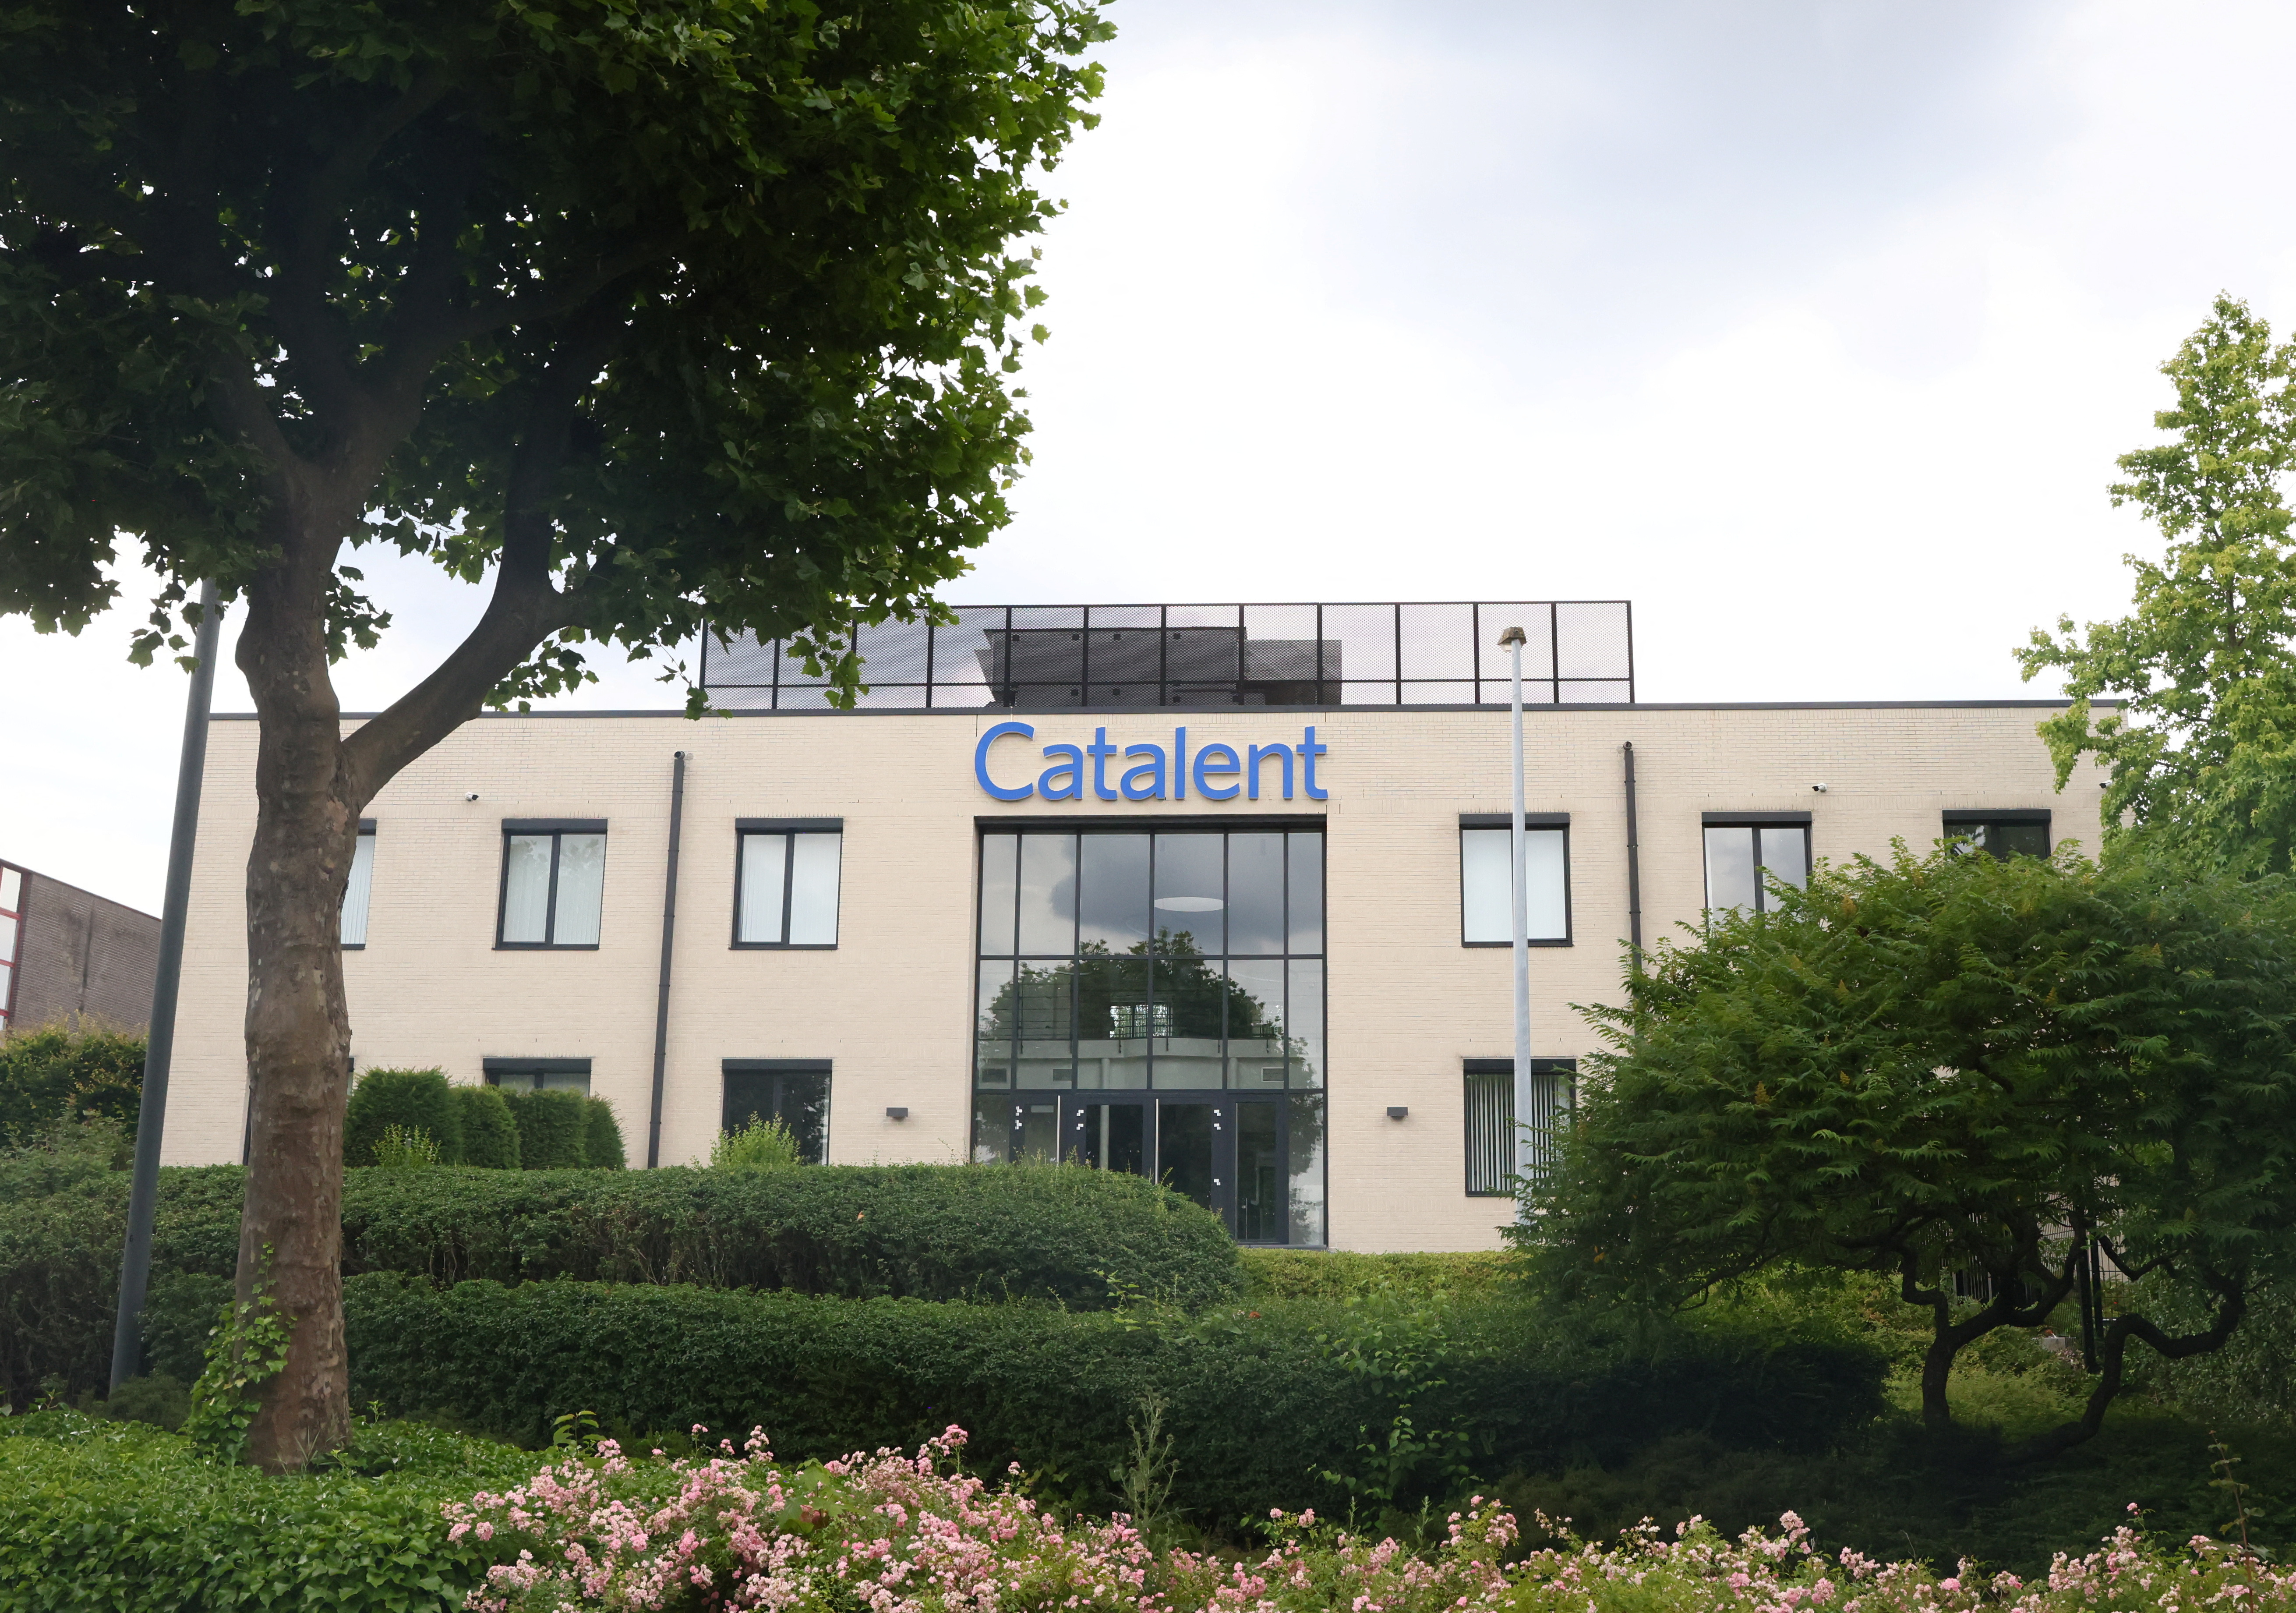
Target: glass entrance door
(1105, 1135)
(1195, 1151)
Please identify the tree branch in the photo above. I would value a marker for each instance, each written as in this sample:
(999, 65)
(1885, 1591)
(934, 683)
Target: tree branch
(2232, 1307)
(525, 608)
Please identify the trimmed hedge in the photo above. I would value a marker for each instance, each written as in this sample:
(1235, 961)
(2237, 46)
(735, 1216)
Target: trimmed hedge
(490, 1135)
(53, 1074)
(1260, 1403)
(415, 1100)
(601, 1138)
(947, 1232)
(550, 1128)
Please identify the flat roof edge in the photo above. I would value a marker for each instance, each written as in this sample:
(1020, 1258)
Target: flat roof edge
(1344, 710)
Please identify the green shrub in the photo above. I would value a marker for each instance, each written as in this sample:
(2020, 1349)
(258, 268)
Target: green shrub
(406, 1148)
(414, 1100)
(951, 1232)
(601, 1138)
(1261, 1407)
(1338, 1274)
(121, 1517)
(490, 1135)
(51, 1074)
(757, 1145)
(549, 1129)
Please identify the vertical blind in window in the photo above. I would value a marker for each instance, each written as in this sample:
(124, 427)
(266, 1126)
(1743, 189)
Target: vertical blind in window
(1486, 876)
(786, 889)
(360, 888)
(553, 884)
(1491, 1119)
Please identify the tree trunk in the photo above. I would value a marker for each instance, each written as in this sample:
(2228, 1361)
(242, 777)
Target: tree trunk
(1937, 1372)
(297, 1022)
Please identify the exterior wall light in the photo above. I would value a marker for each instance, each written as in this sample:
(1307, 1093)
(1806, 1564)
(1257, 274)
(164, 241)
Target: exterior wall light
(1819, 788)
(1398, 1112)
(897, 1113)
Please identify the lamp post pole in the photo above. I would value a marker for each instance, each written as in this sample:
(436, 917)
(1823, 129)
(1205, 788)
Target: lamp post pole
(159, 1050)
(1519, 898)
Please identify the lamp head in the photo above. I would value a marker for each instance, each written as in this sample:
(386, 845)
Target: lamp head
(1513, 638)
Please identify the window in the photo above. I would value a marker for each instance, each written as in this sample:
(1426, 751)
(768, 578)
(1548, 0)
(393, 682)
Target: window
(360, 887)
(1745, 854)
(2023, 834)
(553, 882)
(786, 881)
(539, 1074)
(1490, 1119)
(11, 929)
(1153, 1002)
(794, 1092)
(1486, 875)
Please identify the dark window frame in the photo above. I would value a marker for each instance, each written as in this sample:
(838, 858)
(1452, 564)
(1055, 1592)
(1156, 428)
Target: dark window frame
(790, 828)
(781, 1068)
(1755, 821)
(1531, 821)
(366, 832)
(557, 828)
(1956, 822)
(1486, 1068)
(494, 1068)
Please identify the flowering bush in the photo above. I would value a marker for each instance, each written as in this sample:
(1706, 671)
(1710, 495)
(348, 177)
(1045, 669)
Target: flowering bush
(1758, 1573)
(891, 1534)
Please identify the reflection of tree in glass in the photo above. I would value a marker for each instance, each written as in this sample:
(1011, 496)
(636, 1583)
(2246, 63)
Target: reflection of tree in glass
(1177, 992)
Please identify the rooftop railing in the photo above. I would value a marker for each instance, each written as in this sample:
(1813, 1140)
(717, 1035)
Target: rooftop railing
(1200, 657)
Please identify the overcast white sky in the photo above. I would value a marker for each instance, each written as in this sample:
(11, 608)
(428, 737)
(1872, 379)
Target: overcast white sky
(1813, 326)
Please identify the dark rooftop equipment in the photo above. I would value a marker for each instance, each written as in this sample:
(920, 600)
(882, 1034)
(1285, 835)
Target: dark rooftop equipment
(1206, 657)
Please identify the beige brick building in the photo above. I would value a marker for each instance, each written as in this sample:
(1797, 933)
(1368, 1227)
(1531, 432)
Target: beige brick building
(1297, 1007)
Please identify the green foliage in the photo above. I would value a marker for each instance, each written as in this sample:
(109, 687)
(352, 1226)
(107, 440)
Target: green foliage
(53, 1074)
(1932, 1065)
(779, 262)
(757, 1145)
(1341, 1274)
(601, 1138)
(161, 1399)
(2203, 747)
(245, 1351)
(400, 1148)
(489, 1134)
(1257, 1403)
(109, 1516)
(412, 1101)
(956, 1232)
(551, 1128)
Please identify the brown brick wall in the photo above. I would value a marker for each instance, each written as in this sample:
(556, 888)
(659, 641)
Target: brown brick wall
(84, 958)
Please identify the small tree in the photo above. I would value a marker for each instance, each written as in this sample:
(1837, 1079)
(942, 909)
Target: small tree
(2203, 749)
(1949, 1064)
(601, 1138)
(643, 312)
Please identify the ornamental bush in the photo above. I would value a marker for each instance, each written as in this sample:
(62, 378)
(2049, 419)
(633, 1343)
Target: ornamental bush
(490, 1135)
(414, 1100)
(1330, 1402)
(551, 1129)
(601, 1138)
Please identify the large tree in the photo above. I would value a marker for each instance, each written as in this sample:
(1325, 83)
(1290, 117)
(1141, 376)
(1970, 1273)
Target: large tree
(1950, 1064)
(659, 311)
(2202, 747)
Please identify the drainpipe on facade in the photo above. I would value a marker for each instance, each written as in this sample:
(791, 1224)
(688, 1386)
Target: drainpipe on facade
(669, 937)
(160, 1048)
(1518, 895)
(1634, 866)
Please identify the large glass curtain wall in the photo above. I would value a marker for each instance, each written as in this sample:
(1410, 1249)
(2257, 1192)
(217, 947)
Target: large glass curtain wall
(1154, 1003)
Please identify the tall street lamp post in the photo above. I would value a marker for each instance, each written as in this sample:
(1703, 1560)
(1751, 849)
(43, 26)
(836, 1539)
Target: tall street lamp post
(1519, 898)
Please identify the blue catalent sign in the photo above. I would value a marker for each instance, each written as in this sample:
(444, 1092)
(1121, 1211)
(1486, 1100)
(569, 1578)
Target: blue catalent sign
(1216, 771)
